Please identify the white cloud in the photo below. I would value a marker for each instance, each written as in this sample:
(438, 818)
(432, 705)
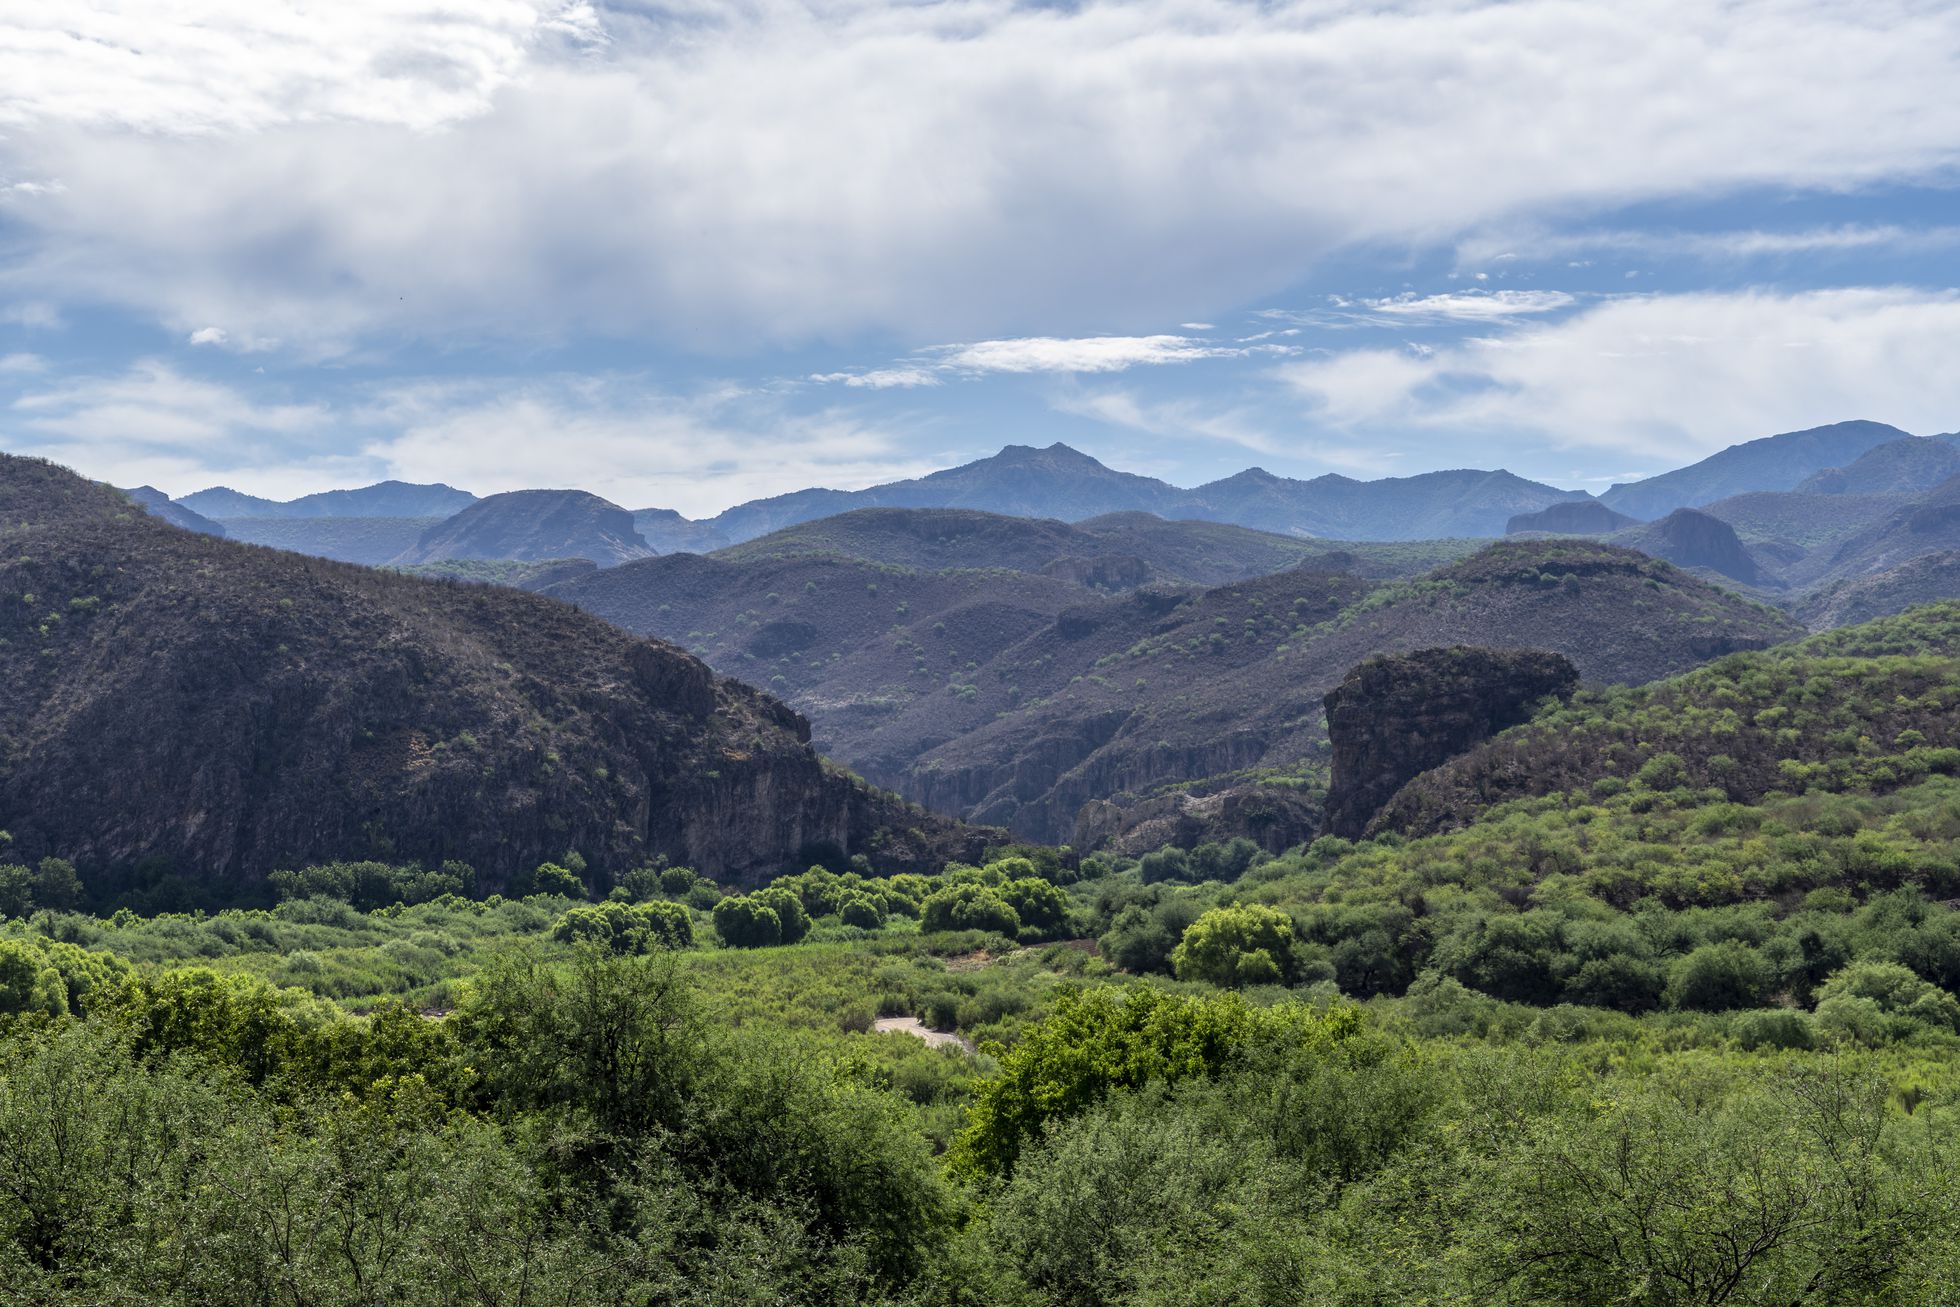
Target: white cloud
(1670, 378)
(1187, 419)
(1711, 246)
(21, 364)
(208, 336)
(881, 378)
(1082, 354)
(763, 171)
(1422, 310)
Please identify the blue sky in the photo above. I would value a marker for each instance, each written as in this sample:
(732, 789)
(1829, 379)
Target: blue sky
(686, 254)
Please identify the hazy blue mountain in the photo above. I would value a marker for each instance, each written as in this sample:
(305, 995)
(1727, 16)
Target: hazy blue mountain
(1911, 466)
(1069, 486)
(383, 499)
(1773, 463)
(157, 504)
(667, 532)
(369, 540)
(531, 525)
(1428, 506)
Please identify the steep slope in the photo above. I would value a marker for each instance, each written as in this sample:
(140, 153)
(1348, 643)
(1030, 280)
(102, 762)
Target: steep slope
(1926, 525)
(173, 703)
(1868, 707)
(383, 499)
(369, 540)
(1926, 579)
(1696, 540)
(1772, 463)
(1911, 466)
(532, 525)
(1578, 517)
(159, 505)
(1125, 695)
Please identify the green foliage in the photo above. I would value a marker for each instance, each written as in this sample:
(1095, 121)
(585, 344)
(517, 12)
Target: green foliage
(969, 906)
(1100, 1040)
(1238, 946)
(626, 928)
(368, 885)
(747, 922)
(553, 880)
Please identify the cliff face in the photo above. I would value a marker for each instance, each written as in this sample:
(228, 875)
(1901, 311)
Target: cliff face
(1578, 517)
(175, 703)
(1396, 716)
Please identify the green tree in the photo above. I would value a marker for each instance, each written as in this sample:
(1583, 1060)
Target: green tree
(969, 907)
(1235, 946)
(747, 922)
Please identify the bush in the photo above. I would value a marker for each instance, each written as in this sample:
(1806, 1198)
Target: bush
(746, 922)
(1719, 977)
(627, 928)
(969, 907)
(792, 918)
(1238, 946)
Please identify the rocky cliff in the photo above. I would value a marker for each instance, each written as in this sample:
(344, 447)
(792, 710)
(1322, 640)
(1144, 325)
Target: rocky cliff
(172, 703)
(1396, 716)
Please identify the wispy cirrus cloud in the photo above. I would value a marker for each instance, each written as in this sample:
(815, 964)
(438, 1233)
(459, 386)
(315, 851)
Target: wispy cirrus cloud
(1037, 354)
(1735, 245)
(1412, 309)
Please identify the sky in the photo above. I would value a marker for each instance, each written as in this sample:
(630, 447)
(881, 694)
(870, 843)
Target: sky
(686, 254)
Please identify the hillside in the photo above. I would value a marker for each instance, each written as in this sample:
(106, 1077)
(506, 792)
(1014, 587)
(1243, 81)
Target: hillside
(1922, 580)
(370, 540)
(1772, 463)
(1789, 519)
(1128, 695)
(174, 704)
(1911, 466)
(667, 532)
(383, 499)
(527, 526)
(1112, 552)
(1868, 707)
(1925, 525)
(1024, 697)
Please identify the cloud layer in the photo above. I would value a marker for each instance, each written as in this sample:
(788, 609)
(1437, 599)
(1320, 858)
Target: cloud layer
(796, 170)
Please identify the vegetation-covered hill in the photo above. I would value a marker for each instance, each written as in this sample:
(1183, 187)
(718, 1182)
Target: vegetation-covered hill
(157, 504)
(528, 526)
(1867, 707)
(176, 704)
(1698, 541)
(1577, 517)
(1771, 463)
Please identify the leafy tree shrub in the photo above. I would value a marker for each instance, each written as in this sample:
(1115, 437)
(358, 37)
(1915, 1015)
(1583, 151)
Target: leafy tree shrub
(861, 910)
(627, 928)
(1165, 864)
(793, 918)
(1516, 957)
(1894, 990)
(1099, 1040)
(1138, 940)
(371, 885)
(1042, 907)
(1774, 1028)
(1718, 977)
(969, 907)
(676, 881)
(747, 922)
(553, 879)
(1618, 980)
(1246, 945)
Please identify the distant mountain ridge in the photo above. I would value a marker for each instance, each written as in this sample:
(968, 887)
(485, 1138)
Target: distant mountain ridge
(1780, 462)
(382, 499)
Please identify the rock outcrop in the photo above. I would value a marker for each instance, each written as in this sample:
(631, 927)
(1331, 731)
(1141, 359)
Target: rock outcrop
(1688, 537)
(177, 705)
(1397, 715)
